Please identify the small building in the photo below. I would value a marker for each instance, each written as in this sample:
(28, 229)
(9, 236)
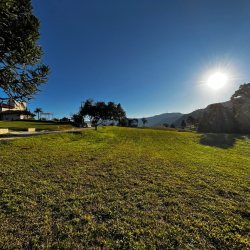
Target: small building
(14, 110)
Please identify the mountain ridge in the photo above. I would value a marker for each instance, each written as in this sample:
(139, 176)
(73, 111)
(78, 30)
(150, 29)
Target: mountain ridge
(158, 120)
(176, 117)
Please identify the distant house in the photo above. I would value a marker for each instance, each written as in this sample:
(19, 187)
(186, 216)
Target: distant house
(14, 110)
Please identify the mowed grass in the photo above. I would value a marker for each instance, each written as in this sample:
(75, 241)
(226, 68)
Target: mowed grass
(39, 125)
(120, 188)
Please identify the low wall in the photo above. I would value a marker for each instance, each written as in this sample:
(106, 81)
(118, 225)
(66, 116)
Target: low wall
(31, 130)
(4, 131)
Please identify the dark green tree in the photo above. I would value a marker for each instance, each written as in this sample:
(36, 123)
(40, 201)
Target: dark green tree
(120, 113)
(123, 122)
(112, 110)
(166, 125)
(89, 110)
(241, 108)
(65, 119)
(191, 121)
(183, 124)
(21, 70)
(86, 109)
(78, 119)
(100, 112)
(38, 111)
(133, 123)
(144, 121)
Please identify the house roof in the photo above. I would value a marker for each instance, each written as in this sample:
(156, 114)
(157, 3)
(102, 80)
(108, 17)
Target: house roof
(8, 106)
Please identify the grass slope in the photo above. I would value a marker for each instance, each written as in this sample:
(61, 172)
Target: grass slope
(39, 125)
(125, 189)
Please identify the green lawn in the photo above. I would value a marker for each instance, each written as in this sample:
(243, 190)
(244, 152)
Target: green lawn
(121, 188)
(39, 125)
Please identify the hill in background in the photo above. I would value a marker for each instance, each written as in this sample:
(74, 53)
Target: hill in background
(232, 116)
(158, 120)
(195, 114)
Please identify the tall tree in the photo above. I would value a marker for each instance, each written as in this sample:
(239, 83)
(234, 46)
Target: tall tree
(144, 121)
(191, 121)
(78, 119)
(183, 124)
(111, 110)
(87, 110)
(165, 125)
(120, 113)
(217, 118)
(21, 70)
(38, 111)
(241, 108)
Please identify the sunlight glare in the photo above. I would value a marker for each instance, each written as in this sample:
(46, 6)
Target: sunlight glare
(217, 81)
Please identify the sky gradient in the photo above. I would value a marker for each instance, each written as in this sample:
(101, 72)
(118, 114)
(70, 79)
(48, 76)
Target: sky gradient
(151, 56)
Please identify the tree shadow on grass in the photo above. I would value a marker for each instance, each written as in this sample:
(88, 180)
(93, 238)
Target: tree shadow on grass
(221, 140)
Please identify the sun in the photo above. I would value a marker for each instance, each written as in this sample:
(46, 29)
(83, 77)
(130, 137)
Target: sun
(217, 81)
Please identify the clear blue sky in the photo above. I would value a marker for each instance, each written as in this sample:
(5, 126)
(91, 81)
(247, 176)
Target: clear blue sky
(151, 56)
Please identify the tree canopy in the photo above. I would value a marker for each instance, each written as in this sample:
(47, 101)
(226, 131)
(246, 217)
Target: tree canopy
(21, 70)
(165, 125)
(100, 112)
(242, 92)
(183, 124)
(241, 108)
(144, 120)
(78, 119)
(38, 111)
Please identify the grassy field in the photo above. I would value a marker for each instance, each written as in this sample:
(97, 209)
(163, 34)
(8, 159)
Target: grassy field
(121, 188)
(39, 125)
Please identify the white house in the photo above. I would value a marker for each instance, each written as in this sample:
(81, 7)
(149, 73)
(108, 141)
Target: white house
(14, 110)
